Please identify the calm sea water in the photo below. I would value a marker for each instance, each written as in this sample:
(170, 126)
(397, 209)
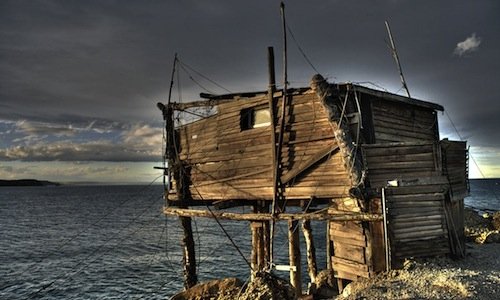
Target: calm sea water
(113, 242)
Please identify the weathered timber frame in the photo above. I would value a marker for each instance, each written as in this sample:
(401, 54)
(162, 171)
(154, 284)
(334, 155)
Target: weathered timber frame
(329, 149)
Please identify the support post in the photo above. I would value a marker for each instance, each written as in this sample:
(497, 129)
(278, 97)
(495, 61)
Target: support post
(188, 257)
(386, 236)
(294, 256)
(312, 268)
(254, 261)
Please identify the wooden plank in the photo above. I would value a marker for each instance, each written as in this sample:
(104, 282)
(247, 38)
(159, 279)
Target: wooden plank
(404, 135)
(415, 165)
(348, 241)
(415, 197)
(345, 275)
(305, 165)
(423, 234)
(319, 191)
(415, 205)
(427, 228)
(267, 216)
(350, 227)
(348, 235)
(354, 266)
(411, 211)
(349, 252)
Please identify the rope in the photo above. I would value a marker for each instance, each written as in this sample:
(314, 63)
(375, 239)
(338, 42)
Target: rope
(230, 239)
(184, 65)
(301, 50)
(195, 81)
(225, 232)
(461, 138)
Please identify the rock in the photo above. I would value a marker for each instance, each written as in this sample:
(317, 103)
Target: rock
(267, 286)
(325, 286)
(492, 237)
(346, 292)
(496, 220)
(214, 289)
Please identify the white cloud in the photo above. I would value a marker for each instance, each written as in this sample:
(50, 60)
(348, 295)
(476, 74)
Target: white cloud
(140, 143)
(468, 45)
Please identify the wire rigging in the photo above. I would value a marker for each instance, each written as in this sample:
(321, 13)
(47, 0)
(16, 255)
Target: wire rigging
(185, 66)
(462, 139)
(301, 50)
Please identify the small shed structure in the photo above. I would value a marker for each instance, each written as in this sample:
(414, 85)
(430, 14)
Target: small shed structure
(367, 162)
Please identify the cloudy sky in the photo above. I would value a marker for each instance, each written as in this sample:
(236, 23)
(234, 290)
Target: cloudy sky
(79, 80)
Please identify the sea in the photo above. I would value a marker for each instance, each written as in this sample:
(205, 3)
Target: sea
(114, 242)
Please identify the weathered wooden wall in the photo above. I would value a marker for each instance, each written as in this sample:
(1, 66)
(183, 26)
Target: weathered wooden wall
(351, 255)
(417, 220)
(405, 160)
(454, 161)
(358, 247)
(418, 225)
(227, 162)
(400, 122)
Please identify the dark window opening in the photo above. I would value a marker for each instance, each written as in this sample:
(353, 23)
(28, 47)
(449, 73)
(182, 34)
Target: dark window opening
(254, 117)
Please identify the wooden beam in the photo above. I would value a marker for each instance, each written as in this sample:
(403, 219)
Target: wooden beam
(312, 268)
(294, 257)
(188, 257)
(293, 173)
(185, 212)
(255, 249)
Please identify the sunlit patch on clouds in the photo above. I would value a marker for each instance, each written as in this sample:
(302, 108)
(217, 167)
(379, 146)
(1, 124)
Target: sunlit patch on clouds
(470, 44)
(91, 150)
(45, 142)
(484, 162)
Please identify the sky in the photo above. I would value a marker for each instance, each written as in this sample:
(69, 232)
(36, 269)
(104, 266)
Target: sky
(79, 80)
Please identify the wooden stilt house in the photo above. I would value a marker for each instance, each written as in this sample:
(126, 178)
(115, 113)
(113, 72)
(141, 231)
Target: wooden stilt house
(367, 162)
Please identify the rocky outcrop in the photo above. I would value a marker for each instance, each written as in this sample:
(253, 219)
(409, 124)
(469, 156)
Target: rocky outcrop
(216, 289)
(482, 228)
(265, 286)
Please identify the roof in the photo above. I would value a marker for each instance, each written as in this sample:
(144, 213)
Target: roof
(377, 93)
(396, 97)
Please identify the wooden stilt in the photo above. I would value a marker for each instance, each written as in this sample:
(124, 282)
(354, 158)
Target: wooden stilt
(254, 226)
(294, 254)
(188, 258)
(340, 284)
(261, 262)
(266, 239)
(312, 268)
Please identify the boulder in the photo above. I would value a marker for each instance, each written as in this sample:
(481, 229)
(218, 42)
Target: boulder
(325, 286)
(492, 237)
(496, 220)
(267, 286)
(214, 289)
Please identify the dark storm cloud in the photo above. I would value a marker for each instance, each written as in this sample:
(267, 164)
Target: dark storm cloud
(72, 63)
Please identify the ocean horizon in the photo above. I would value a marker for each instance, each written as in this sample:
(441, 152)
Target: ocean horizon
(114, 242)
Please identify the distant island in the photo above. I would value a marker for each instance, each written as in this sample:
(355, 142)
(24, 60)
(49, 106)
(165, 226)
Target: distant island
(27, 182)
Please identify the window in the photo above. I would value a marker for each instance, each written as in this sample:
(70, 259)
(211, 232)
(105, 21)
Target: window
(254, 117)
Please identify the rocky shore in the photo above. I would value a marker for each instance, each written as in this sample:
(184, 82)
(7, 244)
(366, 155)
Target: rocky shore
(475, 277)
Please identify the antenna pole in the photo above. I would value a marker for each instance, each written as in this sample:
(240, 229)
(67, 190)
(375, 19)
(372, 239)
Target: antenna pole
(285, 53)
(396, 59)
(169, 127)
